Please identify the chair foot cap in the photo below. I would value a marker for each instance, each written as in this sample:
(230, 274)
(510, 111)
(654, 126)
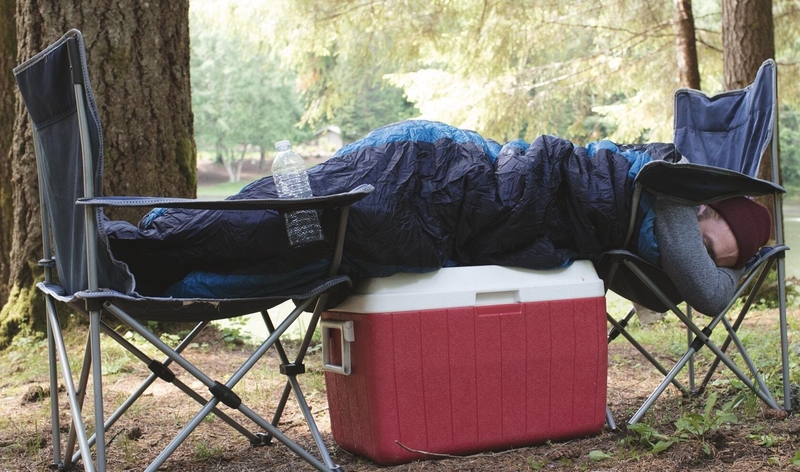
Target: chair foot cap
(263, 440)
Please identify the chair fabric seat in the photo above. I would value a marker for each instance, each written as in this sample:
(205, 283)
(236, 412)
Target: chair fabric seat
(724, 137)
(189, 309)
(55, 87)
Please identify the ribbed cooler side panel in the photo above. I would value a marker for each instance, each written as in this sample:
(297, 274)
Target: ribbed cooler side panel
(463, 380)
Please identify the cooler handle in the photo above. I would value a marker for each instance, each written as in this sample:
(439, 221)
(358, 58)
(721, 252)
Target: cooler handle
(346, 336)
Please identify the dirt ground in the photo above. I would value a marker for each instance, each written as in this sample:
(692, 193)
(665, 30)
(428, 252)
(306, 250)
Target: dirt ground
(760, 439)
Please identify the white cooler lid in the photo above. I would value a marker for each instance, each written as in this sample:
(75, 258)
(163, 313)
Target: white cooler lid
(453, 287)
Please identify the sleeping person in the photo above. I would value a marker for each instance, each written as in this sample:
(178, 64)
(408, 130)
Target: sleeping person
(448, 197)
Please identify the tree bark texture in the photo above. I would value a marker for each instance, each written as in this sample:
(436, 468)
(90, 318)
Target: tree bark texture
(686, 45)
(748, 39)
(138, 57)
(8, 56)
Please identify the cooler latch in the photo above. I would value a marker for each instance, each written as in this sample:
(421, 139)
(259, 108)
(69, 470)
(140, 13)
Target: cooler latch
(336, 349)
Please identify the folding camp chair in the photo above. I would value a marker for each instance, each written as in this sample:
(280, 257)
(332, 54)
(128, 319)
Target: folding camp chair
(724, 137)
(69, 152)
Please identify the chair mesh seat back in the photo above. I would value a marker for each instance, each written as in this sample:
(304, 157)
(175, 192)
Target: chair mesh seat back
(46, 85)
(731, 130)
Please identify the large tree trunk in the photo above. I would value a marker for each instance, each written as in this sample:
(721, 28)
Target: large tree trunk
(8, 55)
(138, 54)
(748, 39)
(686, 45)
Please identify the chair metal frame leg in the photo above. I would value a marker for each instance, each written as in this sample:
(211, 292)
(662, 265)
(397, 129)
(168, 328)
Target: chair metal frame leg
(97, 381)
(75, 405)
(787, 388)
(618, 328)
(732, 329)
(54, 406)
(292, 369)
(80, 392)
(702, 338)
(221, 392)
(161, 367)
(689, 340)
(612, 425)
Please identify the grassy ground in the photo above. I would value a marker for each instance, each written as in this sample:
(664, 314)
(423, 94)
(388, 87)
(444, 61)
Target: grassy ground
(736, 433)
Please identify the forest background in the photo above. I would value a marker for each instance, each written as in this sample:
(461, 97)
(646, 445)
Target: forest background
(228, 77)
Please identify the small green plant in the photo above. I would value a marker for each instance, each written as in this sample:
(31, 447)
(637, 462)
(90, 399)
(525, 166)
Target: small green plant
(765, 440)
(170, 339)
(121, 363)
(690, 427)
(128, 448)
(597, 456)
(151, 325)
(536, 463)
(234, 333)
(651, 438)
(699, 425)
(796, 458)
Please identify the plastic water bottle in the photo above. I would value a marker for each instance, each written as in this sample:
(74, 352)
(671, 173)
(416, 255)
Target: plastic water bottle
(291, 181)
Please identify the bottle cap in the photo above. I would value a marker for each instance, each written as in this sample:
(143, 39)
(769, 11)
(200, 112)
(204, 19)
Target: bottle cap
(284, 144)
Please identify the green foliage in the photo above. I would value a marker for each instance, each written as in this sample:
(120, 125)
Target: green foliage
(375, 107)
(766, 440)
(234, 332)
(507, 69)
(539, 464)
(241, 95)
(693, 427)
(767, 297)
(698, 426)
(651, 438)
(502, 68)
(790, 145)
(597, 456)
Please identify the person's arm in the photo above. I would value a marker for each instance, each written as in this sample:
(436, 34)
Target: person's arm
(706, 287)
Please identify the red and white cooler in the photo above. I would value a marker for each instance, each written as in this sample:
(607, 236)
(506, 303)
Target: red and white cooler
(466, 359)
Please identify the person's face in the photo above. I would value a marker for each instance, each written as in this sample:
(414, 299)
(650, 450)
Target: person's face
(717, 237)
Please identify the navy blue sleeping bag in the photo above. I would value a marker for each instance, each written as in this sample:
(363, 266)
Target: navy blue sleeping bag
(443, 197)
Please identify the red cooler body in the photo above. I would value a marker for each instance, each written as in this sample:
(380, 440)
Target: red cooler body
(466, 359)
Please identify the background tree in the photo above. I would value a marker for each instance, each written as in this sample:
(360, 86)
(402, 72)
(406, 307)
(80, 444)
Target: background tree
(377, 105)
(241, 96)
(514, 69)
(138, 55)
(748, 37)
(506, 69)
(686, 45)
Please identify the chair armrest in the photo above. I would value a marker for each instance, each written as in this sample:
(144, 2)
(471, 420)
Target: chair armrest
(695, 184)
(763, 254)
(279, 204)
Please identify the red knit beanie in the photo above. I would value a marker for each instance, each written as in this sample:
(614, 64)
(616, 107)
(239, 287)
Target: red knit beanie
(750, 223)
